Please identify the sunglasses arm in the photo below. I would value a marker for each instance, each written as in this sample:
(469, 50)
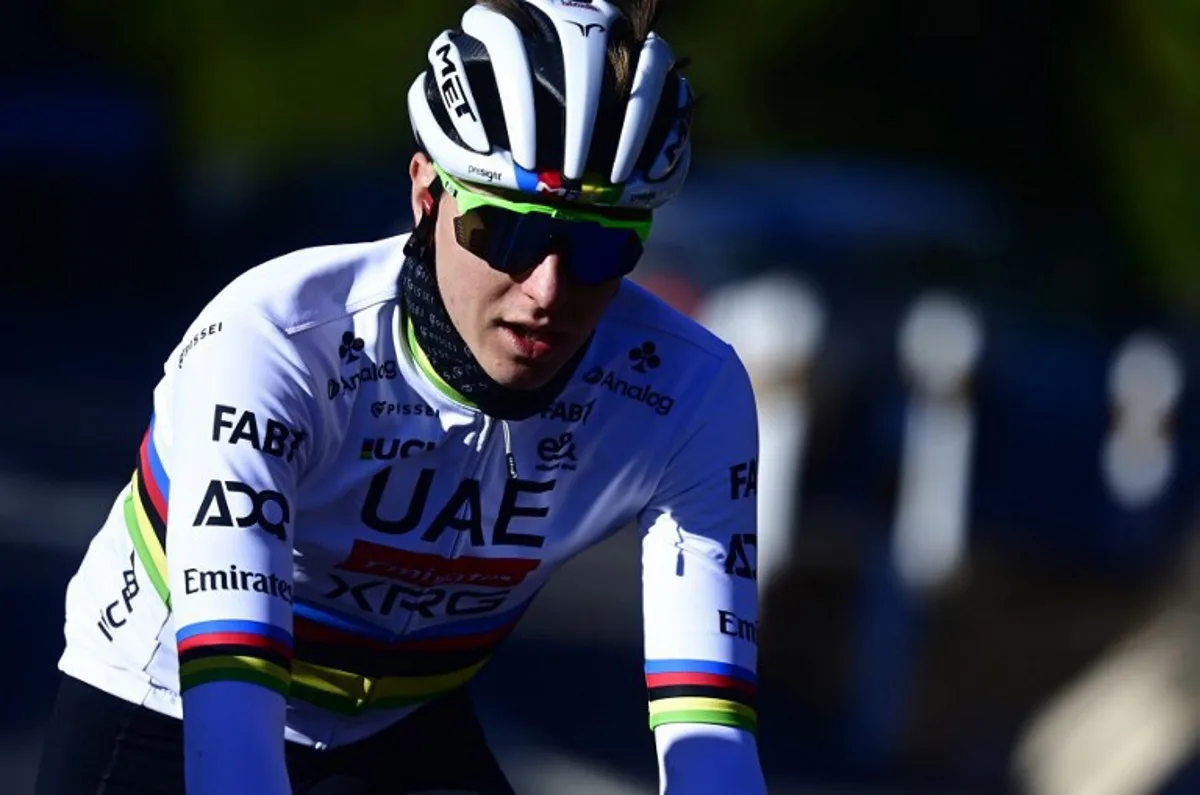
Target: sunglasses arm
(420, 242)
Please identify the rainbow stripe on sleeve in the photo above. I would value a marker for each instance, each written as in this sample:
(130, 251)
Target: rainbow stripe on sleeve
(146, 513)
(243, 651)
(701, 691)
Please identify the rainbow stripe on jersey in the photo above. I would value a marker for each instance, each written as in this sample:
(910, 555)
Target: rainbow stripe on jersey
(701, 691)
(349, 666)
(335, 661)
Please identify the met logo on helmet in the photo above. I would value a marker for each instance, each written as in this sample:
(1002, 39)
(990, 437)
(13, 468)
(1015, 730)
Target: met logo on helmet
(587, 29)
(451, 85)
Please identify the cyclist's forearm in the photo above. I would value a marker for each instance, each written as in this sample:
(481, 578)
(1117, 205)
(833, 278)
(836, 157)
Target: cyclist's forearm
(702, 759)
(233, 740)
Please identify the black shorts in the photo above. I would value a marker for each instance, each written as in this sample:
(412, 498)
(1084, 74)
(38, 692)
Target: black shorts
(97, 744)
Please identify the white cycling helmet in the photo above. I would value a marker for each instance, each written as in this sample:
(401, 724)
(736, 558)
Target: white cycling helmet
(529, 108)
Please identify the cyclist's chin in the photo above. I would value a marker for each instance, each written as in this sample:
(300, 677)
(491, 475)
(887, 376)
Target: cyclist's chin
(520, 361)
(519, 373)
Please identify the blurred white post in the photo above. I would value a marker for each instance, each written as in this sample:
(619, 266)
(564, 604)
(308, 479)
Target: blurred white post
(775, 323)
(1138, 457)
(1128, 722)
(939, 345)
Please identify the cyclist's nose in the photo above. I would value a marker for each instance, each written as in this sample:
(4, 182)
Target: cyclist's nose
(548, 283)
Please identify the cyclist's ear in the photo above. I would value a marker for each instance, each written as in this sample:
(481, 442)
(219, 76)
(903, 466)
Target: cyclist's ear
(422, 175)
(426, 191)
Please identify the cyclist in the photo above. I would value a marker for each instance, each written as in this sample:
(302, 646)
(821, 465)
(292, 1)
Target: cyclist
(365, 460)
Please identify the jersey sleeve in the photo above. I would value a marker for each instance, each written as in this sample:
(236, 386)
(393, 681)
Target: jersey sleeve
(700, 601)
(240, 435)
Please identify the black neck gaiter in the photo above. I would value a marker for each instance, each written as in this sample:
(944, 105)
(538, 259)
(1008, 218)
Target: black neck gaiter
(453, 361)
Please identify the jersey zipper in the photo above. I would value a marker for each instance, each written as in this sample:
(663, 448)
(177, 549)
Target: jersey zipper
(510, 460)
(483, 439)
(482, 436)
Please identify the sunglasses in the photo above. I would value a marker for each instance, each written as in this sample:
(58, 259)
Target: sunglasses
(513, 237)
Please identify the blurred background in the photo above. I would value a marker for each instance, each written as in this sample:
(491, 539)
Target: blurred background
(954, 240)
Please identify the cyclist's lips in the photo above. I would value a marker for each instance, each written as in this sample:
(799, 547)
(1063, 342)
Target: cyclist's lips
(532, 341)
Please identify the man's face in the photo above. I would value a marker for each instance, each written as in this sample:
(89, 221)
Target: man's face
(522, 329)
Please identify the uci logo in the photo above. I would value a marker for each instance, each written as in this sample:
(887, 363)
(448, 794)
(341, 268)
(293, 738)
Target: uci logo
(214, 509)
(388, 449)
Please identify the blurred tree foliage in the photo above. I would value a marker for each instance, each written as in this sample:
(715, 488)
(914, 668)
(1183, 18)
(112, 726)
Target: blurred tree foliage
(1138, 67)
(271, 84)
(1059, 103)
(279, 83)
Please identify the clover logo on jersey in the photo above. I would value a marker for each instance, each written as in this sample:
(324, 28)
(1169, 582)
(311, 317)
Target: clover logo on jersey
(350, 348)
(645, 358)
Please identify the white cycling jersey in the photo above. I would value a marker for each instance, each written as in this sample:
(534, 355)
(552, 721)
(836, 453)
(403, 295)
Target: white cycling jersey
(314, 511)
